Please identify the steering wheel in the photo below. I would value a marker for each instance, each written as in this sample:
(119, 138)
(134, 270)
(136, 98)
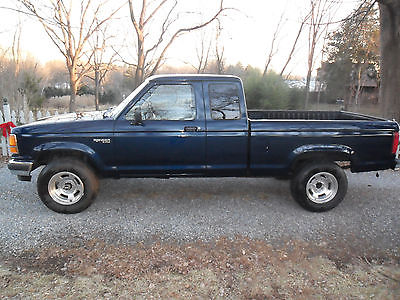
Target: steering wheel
(221, 112)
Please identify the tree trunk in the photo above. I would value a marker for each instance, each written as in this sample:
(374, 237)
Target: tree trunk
(358, 90)
(308, 83)
(25, 105)
(389, 94)
(309, 72)
(74, 90)
(319, 94)
(72, 100)
(220, 62)
(97, 89)
(267, 64)
(293, 46)
(139, 75)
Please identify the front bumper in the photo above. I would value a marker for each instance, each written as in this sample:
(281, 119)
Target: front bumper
(20, 167)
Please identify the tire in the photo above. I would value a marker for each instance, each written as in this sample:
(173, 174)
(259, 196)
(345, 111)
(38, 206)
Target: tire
(67, 186)
(319, 186)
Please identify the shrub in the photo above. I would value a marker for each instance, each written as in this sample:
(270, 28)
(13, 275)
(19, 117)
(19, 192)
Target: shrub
(85, 90)
(270, 91)
(107, 97)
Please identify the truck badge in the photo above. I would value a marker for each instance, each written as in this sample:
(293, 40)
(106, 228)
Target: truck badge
(103, 141)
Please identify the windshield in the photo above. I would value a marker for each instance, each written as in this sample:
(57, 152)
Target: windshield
(120, 107)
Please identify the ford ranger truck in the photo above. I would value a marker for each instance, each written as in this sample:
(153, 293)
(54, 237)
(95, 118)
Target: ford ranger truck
(198, 126)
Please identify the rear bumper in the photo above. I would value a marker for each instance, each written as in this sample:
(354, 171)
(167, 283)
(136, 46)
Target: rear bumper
(397, 167)
(20, 167)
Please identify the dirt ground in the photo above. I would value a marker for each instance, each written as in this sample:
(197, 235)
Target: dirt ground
(223, 268)
(3, 161)
(235, 268)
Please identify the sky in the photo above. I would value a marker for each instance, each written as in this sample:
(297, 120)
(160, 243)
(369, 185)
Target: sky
(246, 36)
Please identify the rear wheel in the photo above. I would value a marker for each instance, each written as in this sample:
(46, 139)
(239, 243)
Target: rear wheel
(67, 186)
(319, 186)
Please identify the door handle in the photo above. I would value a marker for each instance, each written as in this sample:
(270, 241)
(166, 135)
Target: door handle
(191, 128)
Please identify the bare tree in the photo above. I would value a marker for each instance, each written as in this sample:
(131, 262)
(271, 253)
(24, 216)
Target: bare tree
(15, 68)
(272, 50)
(17, 57)
(390, 58)
(150, 57)
(203, 50)
(210, 47)
(203, 54)
(70, 34)
(319, 82)
(320, 19)
(101, 65)
(294, 45)
(16, 48)
(219, 50)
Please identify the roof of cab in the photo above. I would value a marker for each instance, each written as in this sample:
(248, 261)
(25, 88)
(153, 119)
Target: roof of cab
(192, 77)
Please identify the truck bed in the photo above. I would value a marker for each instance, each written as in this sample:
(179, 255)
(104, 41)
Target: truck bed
(282, 133)
(308, 115)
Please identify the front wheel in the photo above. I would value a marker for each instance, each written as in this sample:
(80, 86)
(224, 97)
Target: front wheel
(67, 186)
(319, 186)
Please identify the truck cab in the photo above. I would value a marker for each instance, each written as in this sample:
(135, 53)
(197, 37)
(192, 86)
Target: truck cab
(193, 125)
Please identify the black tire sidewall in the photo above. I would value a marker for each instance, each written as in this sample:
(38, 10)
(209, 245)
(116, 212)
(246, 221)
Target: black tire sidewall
(299, 182)
(76, 167)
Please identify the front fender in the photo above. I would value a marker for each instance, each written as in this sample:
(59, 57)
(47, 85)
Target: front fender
(47, 149)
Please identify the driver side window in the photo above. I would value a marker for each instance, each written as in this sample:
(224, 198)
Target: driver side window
(166, 102)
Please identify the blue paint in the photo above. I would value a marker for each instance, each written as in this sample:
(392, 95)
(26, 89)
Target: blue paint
(255, 146)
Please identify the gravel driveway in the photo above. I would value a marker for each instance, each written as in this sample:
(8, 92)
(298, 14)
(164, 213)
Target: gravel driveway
(131, 210)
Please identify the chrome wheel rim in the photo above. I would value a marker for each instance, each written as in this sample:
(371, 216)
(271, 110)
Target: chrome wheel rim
(322, 187)
(66, 188)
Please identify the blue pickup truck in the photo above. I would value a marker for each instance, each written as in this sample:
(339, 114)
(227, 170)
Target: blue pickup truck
(198, 126)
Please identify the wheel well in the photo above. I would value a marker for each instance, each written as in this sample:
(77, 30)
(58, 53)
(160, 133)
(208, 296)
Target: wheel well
(341, 159)
(46, 157)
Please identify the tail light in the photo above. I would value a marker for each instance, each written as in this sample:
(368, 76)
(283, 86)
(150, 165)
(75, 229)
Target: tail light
(395, 142)
(13, 144)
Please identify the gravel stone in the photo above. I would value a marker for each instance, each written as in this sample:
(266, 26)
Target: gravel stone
(135, 210)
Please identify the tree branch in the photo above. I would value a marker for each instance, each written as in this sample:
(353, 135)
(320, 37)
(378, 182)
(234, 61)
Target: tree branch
(185, 30)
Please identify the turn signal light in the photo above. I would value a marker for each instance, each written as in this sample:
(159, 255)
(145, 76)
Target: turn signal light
(13, 144)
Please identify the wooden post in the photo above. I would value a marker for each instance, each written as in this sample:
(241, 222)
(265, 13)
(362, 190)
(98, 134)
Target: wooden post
(7, 118)
(6, 110)
(30, 117)
(14, 117)
(22, 117)
(3, 141)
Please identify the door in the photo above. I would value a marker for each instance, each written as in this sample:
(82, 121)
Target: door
(227, 128)
(170, 139)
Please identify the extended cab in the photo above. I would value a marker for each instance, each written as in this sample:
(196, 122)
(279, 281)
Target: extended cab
(198, 126)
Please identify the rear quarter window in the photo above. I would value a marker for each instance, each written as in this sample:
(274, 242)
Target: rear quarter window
(224, 101)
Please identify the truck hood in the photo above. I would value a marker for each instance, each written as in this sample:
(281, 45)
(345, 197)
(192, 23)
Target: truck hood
(67, 123)
(71, 117)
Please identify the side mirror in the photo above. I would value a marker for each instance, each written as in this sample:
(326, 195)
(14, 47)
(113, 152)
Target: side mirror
(137, 117)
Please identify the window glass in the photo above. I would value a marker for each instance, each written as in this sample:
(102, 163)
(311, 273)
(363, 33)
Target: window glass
(224, 101)
(166, 102)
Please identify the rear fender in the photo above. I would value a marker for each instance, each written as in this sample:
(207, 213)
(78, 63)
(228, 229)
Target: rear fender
(320, 152)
